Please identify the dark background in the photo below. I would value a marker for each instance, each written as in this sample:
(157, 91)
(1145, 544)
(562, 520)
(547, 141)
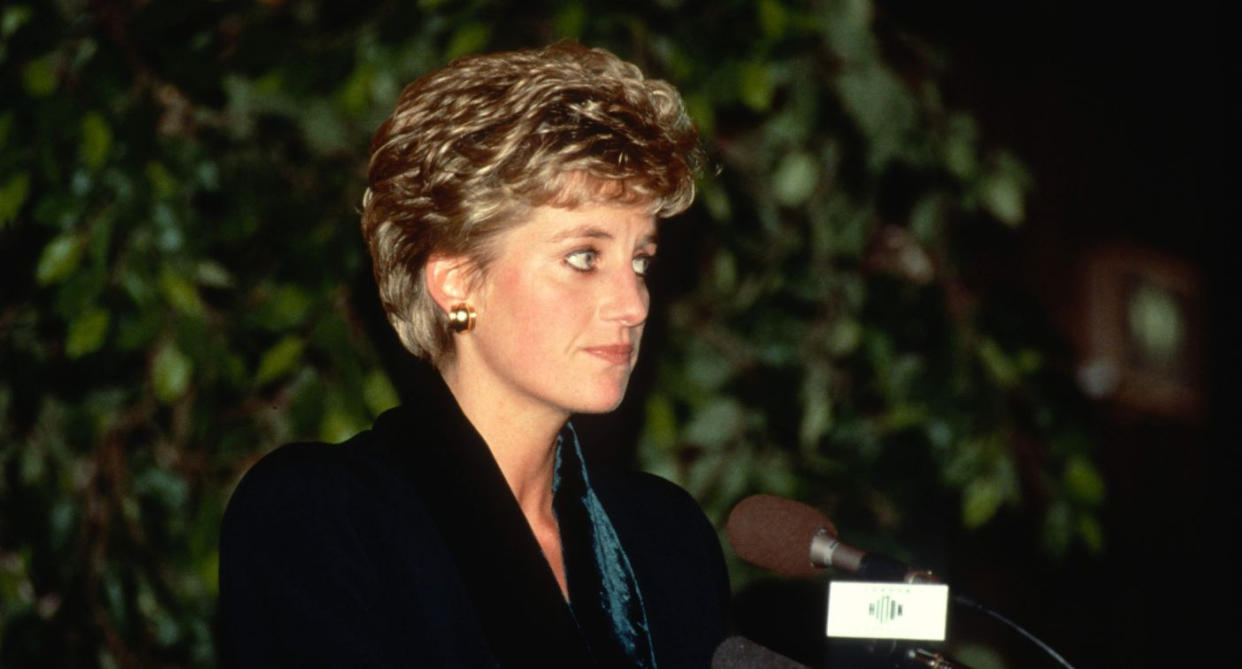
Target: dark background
(1120, 114)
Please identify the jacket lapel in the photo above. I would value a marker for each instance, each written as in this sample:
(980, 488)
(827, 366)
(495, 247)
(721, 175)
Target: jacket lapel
(512, 588)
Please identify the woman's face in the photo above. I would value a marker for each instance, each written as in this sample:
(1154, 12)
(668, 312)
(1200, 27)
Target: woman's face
(561, 309)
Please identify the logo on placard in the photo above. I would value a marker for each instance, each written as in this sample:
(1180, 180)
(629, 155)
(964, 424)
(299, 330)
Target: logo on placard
(871, 610)
(884, 609)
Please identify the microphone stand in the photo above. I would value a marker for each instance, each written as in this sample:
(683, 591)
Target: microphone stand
(891, 654)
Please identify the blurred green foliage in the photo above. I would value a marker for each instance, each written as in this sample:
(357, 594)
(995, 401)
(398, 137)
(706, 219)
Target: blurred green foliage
(178, 194)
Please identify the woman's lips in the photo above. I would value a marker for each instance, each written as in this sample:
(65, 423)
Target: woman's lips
(618, 354)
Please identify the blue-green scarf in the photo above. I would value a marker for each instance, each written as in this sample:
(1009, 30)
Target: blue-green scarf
(603, 592)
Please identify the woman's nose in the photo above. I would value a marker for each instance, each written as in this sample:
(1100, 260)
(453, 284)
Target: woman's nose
(627, 300)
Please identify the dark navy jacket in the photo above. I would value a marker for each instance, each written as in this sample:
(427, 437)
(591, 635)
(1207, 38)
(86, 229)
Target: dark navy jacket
(404, 547)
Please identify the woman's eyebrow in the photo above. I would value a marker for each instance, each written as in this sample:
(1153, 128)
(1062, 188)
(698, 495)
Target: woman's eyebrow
(595, 232)
(588, 230)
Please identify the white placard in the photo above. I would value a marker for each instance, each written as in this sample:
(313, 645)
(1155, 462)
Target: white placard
(866, 610)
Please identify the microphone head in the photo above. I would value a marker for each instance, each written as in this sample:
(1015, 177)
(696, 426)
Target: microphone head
(776, 533)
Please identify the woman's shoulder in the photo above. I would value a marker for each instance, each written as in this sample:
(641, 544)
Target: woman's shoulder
(657, 517)
(645, 495)
(314, 483)
(292, 471)
(328, 557)
(677, 559)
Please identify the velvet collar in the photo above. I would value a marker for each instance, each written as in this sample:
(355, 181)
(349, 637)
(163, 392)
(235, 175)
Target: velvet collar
(603, 591)
(513, 590)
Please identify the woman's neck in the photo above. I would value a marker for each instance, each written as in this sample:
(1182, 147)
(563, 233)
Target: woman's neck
(521, 437)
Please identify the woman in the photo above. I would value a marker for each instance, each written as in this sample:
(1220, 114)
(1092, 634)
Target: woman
(511, 219)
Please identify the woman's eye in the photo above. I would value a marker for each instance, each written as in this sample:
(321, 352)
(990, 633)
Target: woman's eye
(641, 264)
(583, 261)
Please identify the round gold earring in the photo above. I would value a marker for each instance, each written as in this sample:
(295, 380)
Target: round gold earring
(461, 318)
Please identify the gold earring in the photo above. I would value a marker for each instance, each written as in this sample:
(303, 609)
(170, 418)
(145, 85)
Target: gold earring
(461, 318)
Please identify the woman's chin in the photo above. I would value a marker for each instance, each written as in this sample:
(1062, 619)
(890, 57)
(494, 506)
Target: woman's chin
(603, 401)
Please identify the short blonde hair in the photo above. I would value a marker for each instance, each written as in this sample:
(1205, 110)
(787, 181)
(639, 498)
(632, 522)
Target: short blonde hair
(471, 148)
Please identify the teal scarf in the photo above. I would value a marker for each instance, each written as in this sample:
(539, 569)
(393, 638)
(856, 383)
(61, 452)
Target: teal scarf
(603, 593)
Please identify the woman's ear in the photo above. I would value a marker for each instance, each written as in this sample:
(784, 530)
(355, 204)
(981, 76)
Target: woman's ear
(448, 279)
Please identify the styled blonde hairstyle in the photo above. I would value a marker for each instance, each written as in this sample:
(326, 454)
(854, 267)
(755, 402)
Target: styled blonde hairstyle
(470, 149)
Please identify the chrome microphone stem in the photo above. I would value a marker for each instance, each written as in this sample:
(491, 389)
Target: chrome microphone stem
(827, 551)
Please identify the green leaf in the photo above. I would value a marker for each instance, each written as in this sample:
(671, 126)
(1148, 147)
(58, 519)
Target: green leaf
(772, 18)
(795, 178)
(816, 419)
(166, 487)
(569, 20)
(847, 29)
(280, 359)
(1058, 528)
(716, 423)
(13, 19)
(12, 196)
(960, 147)
(323, 129)
(181, 293)
(1082, 482)
(60, 258)
(927, 219)
(1002, 196)
(704, 368)
(1091, 532)
(724, 272)
(355, 95)
(378, 392)
(775, 473)
(998, 364)
(39, 76)
(470, 38)
(213, 274)
(1029, 360)
(284, 308)
(62, 523)
(162, 181)
(171, 372)
(1002, 192)
(717, 202)
(87, 333)
(33, 463)
(903, 416)
(816, 405)
(882, 107)
(661, 425)
(734, 480)
(755, 86)
(700, 108)
(338, 424)
(980, 500)
(965, 460)
(844, 336)
(96, 140)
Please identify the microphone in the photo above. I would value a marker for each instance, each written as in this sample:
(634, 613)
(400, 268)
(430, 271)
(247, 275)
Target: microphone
(794, 539)
(741, 653)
